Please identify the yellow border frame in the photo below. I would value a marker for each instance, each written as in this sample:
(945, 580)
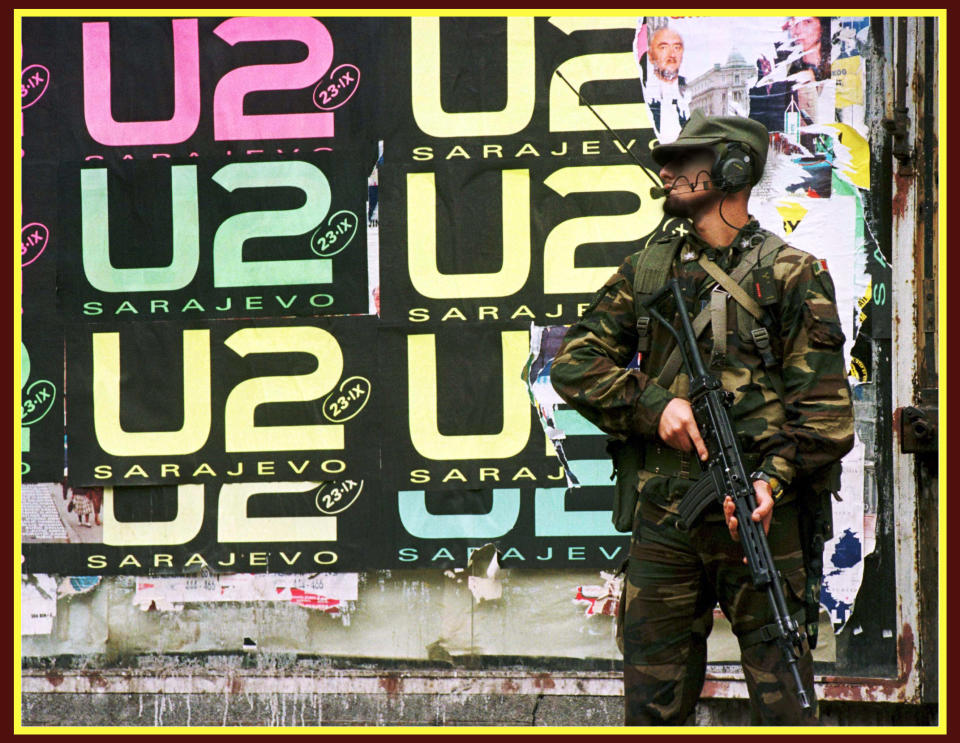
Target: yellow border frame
(19, 14)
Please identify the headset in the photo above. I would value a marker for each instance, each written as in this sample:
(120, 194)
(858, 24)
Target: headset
(733, 167)
(732, 170)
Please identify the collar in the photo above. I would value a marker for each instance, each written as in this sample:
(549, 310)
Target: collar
(694, 244)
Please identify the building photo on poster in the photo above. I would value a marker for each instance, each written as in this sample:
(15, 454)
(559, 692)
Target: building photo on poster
(361, 341)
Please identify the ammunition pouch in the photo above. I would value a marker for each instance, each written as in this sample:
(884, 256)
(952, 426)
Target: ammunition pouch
(627, 459)
(664, 460)
(633, 455)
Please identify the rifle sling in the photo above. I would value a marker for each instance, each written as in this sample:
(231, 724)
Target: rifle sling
(732, 285)
(770, 632)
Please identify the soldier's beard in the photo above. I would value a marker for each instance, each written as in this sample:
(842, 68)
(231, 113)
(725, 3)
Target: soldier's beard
(676, 206)
(688, 204)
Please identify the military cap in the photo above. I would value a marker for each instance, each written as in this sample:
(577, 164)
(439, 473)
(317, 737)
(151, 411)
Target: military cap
(706, 131)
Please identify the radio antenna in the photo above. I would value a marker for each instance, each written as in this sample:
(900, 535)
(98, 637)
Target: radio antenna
(616, 136)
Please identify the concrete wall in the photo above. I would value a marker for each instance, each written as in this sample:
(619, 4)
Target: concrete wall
(351, 698)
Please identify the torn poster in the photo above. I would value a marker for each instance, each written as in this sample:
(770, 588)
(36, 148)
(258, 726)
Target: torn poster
(77, 584)
(603, 599)
(326, 591)
(850, 42)
(797, 75)
(40, 518)
(484, 574)
(775, 70)
(561, 423)
(848, 153)
(544, 344)
(373, 234)
(804, 223)
(38, 603)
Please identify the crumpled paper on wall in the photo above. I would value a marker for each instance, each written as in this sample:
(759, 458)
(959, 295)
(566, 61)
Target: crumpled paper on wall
(484, 574)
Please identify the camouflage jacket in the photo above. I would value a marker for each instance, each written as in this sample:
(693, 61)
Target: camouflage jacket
(807, 430)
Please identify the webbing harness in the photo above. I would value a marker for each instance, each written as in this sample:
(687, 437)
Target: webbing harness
(653, 271)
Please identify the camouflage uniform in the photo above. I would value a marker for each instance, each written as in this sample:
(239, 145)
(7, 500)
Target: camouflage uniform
(675, 578)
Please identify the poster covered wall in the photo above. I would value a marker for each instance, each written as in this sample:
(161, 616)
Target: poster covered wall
(189, 238)
(330, 259)
(221, 400)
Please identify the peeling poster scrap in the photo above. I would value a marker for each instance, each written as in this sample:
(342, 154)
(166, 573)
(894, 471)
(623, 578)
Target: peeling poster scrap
(603, 599)
(325, 591)
(38, 603)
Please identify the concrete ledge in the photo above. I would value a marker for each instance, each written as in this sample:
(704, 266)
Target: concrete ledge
(723, 682)
(163, 710)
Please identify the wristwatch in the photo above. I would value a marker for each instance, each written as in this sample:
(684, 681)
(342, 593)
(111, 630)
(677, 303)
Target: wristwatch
(776, 487)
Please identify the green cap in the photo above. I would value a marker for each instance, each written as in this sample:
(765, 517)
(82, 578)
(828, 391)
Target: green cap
(706, 131)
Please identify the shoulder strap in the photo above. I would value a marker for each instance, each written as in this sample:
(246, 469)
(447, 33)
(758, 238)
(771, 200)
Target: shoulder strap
(653, 271)
(653, 268)
(732, 287)
(760, 253)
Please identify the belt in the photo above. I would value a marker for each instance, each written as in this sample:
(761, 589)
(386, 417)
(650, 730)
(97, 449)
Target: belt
(661, 459)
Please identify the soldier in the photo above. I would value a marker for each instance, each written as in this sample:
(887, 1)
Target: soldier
(780, 352)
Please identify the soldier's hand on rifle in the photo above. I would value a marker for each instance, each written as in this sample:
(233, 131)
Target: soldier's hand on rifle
(763, 511)
(678, 428)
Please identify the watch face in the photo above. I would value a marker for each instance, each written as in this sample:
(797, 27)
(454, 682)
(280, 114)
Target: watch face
(774, 482)
(776, 488)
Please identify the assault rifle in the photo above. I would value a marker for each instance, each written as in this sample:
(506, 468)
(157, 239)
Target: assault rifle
(724, 475)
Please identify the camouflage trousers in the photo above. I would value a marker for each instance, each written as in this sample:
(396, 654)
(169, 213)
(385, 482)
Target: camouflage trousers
(674, 580)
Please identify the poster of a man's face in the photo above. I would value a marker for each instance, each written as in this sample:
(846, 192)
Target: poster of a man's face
(659, 55)
(666, 54)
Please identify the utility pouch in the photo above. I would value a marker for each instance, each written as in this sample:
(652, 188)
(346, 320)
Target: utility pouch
(627, 459)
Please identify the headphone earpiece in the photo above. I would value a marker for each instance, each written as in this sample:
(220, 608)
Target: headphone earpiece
(733, 168)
